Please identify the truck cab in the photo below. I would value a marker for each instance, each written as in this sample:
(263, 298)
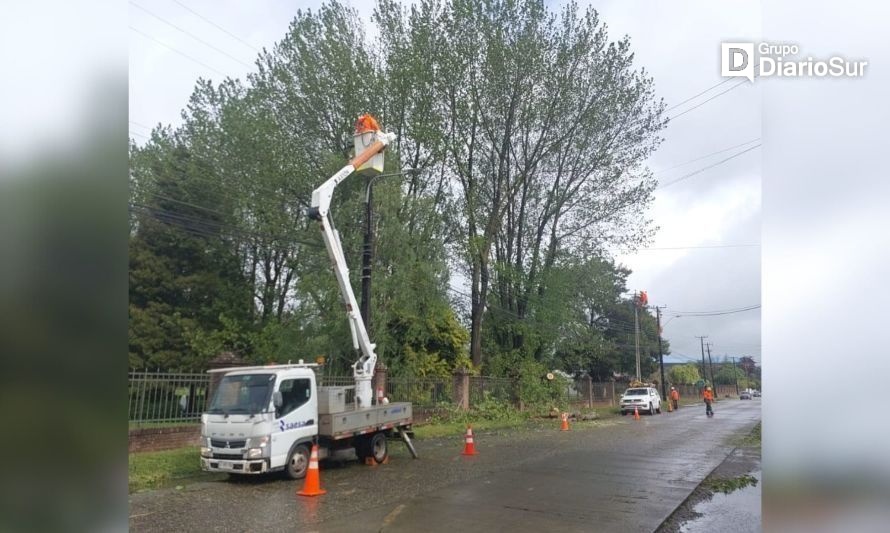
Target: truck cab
(261, 420)
(267, 418)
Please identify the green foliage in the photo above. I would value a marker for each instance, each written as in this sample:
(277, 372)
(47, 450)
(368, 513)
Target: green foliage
(728, 485)
(223, 258)
(729, 375)
(684, 374)
(490, 409)
(537, 393)
(151, 470)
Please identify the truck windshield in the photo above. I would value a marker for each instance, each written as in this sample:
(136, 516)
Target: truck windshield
(636, 392)
(243, 394)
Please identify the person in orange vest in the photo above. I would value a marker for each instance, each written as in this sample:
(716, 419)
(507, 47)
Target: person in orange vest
(675, 398)
(709, 398)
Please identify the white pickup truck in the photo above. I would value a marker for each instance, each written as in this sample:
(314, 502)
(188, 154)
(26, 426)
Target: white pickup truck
(266, 418)
(642, 399)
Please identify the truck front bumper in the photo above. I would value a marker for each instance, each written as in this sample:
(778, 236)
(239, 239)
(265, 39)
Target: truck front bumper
(235, 466)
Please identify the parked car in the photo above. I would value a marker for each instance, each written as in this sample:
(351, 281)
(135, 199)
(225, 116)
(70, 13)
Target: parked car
(642, 398)
(745, 395)
(756, 394)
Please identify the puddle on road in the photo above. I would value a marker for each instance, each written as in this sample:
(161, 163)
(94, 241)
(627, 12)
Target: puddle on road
(736, 512)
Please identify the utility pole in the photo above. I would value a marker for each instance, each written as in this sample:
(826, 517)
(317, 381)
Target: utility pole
(637, 334)
(702, 339)
(368, 245)
(660, 352)
(736, 372)
(711, 366)
(367, 250)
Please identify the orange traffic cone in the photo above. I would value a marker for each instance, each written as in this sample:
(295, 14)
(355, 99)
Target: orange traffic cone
(636, 414)
(469, 446)
(312, 486)
(565, 422)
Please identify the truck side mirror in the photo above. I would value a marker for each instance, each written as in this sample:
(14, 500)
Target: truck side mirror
(277, 400)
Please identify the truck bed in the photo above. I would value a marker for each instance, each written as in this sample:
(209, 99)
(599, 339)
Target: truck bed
(351, 422)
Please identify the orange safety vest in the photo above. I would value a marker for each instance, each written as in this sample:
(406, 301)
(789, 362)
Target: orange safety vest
(709, 396)
(675, 394)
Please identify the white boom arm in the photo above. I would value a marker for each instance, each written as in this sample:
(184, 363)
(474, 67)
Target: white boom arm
(363, 369)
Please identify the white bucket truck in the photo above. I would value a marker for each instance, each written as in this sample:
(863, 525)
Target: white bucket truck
(266, 418)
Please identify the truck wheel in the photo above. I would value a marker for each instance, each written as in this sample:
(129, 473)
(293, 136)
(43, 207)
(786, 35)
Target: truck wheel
(362, 447)
(298, 462)
(378, 448)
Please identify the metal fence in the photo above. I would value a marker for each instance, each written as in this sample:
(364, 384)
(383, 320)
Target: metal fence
(422, 392)
(167, 397)
(491, 388)
(178, 397)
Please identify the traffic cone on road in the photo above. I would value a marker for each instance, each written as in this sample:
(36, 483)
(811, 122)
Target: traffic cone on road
(312, 486)
(565, 422)
(636, 413)
(469, 445)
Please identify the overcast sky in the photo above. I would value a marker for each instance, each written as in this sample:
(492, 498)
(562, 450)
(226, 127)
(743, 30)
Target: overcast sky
(678, 46)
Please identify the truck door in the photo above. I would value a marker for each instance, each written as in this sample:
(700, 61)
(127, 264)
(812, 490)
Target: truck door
(295, 420)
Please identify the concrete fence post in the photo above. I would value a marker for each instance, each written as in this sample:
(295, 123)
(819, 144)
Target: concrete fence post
(379, 378)
(612, 396)
(589, 383)
(462, 389)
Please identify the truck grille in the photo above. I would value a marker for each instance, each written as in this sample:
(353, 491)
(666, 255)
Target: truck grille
(229, 456)
(237, 444)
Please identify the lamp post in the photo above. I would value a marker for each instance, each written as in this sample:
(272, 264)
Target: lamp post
(367, 249)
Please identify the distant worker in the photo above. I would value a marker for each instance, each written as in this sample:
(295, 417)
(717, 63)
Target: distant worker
(709, 398)
(675, 398)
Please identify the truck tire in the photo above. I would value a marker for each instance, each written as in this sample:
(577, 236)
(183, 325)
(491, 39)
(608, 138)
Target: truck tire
(378, 449)
(362, 446)
(297, 462)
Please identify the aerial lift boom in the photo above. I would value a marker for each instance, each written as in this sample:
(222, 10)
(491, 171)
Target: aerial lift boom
(363, 369)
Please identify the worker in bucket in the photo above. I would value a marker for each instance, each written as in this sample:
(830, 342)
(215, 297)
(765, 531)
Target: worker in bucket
(675, 398)
(709, 399)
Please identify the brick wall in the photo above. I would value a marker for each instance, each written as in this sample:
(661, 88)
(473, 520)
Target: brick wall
(168, 438)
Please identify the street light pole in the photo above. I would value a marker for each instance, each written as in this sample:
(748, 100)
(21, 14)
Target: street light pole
(368, 245)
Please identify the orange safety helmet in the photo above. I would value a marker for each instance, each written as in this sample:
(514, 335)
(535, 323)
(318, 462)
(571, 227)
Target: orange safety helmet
(366, 123)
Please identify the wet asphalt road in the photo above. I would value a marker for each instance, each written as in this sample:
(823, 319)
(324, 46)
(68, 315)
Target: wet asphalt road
(615, 475)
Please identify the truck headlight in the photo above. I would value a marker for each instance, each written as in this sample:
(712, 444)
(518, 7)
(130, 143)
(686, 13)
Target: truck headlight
(254, 453)
(206, 452)
(258, 442)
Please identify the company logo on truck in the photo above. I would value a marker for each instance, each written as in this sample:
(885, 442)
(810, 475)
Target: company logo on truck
(293, 425)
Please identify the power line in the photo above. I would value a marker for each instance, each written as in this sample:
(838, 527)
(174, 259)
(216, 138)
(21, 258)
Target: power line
(217, 26)
(715, 313)
(693, 97)
(172, 217)
(133, 122)
(693, 108)
(193, 36)
(705, 156)
(165, 45)
(139, 135)
(699, 171)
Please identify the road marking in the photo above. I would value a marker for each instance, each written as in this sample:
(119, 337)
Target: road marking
(392, 516)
